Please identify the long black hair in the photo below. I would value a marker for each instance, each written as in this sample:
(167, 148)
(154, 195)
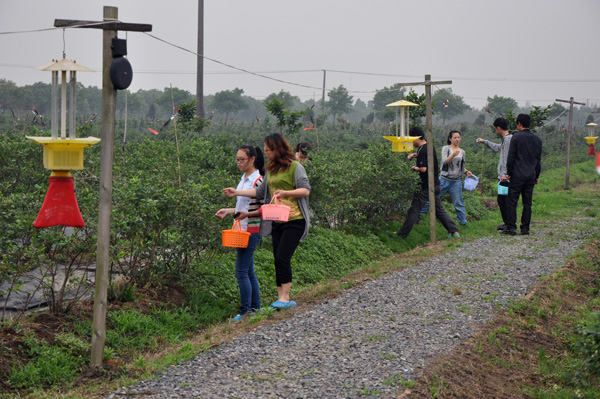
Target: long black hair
(259, 159)
(450, 136)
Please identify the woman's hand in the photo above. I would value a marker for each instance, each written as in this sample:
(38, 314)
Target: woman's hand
(456, 153)
(221, 213)
(230, 192)
(241, 215)
(469, 174)
(280, 193)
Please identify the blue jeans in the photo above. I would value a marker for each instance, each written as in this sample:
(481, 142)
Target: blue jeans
(455, 190)
(244, 272)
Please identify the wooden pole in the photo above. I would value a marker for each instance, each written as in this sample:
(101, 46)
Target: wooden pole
(571, 102)
(200, 62)
(109, 101)
(430, 155)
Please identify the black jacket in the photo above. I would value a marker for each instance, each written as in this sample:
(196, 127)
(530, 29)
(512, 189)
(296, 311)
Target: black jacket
(524, 156)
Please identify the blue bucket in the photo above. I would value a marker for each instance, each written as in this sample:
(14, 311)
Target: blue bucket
(471, 183)
(502, 190)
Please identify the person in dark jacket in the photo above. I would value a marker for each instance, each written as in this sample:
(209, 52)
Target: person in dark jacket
(523, 166)
(422, 197)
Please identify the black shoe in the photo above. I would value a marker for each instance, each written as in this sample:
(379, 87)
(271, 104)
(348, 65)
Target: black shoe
(501, 227)
(511, 232)
(524, 232)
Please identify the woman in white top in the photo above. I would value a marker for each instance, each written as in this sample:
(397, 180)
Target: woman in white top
(249, 160)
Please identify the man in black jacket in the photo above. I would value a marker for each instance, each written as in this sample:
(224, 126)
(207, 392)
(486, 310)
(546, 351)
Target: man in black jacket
(523, 167)
(422, 197)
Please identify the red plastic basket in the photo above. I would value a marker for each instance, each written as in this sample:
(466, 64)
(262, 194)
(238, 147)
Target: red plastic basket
(275, 212)
(235, 237)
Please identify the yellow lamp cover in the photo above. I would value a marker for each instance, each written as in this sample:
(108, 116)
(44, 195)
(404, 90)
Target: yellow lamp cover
(64, 154)
(401, 144)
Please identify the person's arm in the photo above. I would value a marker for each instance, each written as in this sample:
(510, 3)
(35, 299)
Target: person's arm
(295, 193)
(492, 146)
(510, 159)
(221, 213)
(464, 161)
(241, 215)
(231, 192)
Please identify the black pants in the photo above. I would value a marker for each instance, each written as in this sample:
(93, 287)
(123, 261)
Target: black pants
(418, 202)
(503, 205)
(286, 237)
(519, 188)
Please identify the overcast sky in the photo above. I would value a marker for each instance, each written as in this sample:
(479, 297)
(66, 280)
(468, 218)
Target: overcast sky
(530, 50)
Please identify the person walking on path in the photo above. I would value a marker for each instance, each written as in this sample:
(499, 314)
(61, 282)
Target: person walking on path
(420, 198)
(250, 161)
(501, 126)
(451, 175)
(285, 179)
(523, 166)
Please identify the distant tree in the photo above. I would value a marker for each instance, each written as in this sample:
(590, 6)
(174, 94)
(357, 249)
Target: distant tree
(501, 105)
(152, 111)
(169, 97)
(448, 104)
(229, 101)
(385, 96)
(339, 101)
(416, 114)
(538, 116)
(590, 119)
(285, 118)
(288, 100)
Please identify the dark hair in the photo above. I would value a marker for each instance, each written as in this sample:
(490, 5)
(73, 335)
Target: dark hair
(283, 153)
(524, 120)
(450, 136)
(303, 148)
(416, 131)
(259, 159)
(501, 123)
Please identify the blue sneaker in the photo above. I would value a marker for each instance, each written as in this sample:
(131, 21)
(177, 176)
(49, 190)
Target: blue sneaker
(283, 305)
(454, 235)
(236, 319)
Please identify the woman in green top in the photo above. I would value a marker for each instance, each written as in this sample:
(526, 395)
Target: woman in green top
(286, 180)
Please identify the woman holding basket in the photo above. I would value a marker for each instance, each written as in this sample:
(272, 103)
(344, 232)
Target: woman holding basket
(250, 161)
(285, 180)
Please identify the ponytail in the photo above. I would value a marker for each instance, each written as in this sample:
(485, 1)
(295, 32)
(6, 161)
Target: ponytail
(259, 159)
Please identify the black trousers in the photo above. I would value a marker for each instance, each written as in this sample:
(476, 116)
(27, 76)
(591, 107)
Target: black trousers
(418, 202)
(519, 188)
(286, 237)
(503, 205)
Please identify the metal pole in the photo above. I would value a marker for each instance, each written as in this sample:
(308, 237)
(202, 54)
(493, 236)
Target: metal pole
(63, 105)
(109, 101)
(73, 106)
(430, 155)
(54, 105)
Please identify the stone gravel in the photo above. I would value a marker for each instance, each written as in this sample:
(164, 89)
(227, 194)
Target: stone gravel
(368, 340)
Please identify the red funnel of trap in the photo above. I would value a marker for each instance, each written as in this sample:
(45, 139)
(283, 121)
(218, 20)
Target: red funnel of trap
(60, 205)
(592, 150)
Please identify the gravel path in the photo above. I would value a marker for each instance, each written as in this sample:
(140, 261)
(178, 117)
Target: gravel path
(362, 343)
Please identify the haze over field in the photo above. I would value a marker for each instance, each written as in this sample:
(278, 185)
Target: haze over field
(533, 51)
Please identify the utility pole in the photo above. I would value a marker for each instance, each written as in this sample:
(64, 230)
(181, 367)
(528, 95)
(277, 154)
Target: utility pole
(110, 25)
(200, 62)
(571, 102)
(429, 138)
(323, 98)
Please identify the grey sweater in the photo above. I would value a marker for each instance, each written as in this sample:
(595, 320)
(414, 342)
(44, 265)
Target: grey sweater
(503, 150)
(301, 181)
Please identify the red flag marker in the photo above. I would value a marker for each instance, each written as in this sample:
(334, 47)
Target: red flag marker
(153, 131)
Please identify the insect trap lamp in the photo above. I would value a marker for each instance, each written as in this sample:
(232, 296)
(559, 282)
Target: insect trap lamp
(591, 139)
(401, 142)
(62, 154)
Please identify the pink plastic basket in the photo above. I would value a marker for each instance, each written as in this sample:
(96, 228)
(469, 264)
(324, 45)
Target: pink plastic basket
(275, 212)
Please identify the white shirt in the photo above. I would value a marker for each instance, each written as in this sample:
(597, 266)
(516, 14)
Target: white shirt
(243, 203)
